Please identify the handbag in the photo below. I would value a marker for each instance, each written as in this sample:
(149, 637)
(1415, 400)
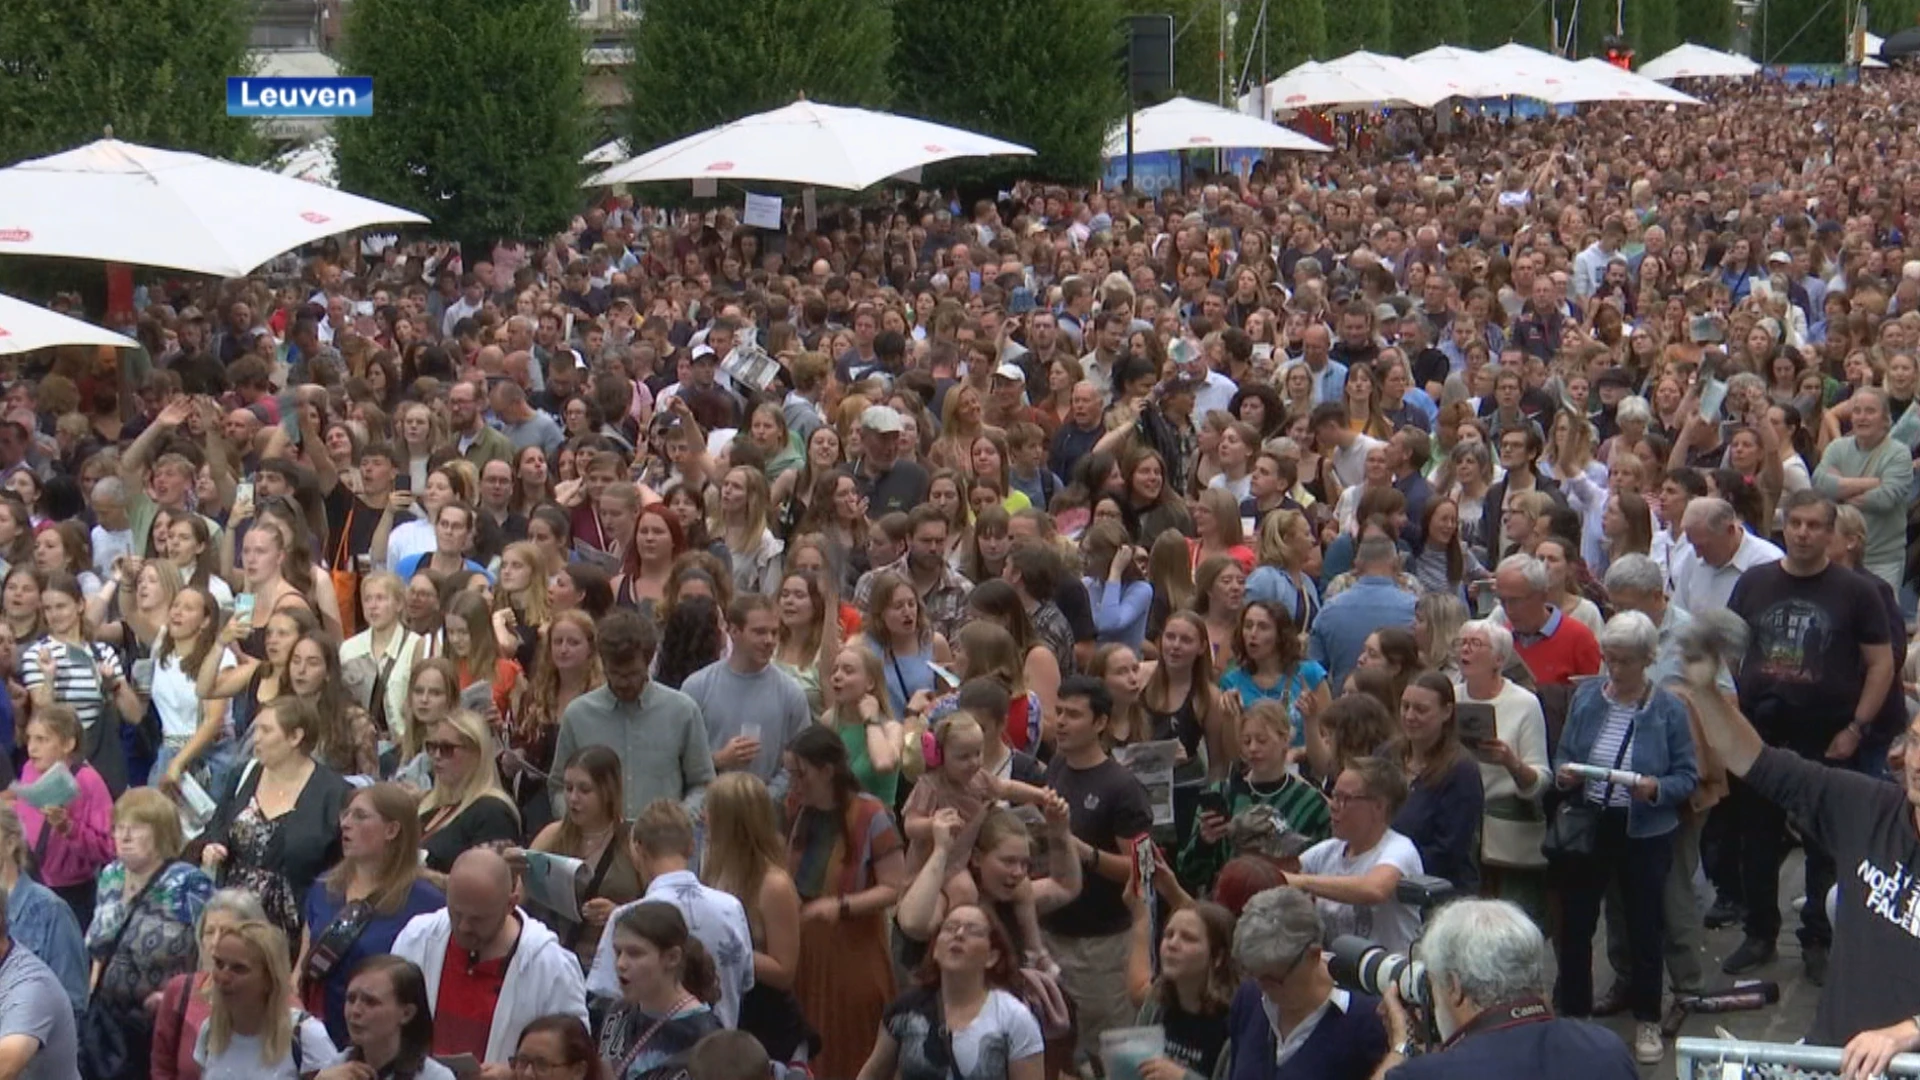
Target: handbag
(346, 580)
(117, 1041)
(1573, 829)
(100, 742)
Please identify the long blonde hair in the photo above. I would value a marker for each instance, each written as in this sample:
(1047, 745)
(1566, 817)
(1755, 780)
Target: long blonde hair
(535, 608)
(269, 946)
(483, 782)
(743, 838)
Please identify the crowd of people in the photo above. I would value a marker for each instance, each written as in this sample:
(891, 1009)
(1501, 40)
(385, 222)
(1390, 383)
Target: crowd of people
(944, 641)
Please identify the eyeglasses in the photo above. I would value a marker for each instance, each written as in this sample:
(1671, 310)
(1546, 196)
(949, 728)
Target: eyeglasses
(444, 749)
(538, 1066)
(1341, 798)
(963, 930)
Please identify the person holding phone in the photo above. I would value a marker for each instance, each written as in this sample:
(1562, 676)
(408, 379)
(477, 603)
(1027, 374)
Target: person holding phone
(1261, 778)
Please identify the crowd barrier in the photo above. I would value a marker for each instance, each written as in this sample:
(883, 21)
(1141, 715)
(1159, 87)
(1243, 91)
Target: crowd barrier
(1738, 1059)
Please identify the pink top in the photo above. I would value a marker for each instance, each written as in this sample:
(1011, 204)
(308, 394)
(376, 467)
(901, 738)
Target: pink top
(78, 854)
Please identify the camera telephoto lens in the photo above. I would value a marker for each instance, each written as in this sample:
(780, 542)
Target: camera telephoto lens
(1359, 964)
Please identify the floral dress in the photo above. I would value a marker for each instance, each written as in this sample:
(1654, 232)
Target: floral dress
(249, 839)
(160, 943)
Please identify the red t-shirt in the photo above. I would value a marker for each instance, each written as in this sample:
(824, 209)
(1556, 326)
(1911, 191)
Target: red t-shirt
(463, 1016)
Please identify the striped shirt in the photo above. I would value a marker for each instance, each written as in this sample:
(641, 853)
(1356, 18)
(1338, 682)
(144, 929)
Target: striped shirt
(1607, 750)
(76, 674)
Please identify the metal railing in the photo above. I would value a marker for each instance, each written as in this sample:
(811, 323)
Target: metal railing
(1738, 1059)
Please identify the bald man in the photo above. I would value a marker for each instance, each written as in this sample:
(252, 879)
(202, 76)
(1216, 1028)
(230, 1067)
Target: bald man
(491, 969)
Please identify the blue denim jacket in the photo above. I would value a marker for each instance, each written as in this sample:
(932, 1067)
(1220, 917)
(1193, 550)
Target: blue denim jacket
(1662, 749)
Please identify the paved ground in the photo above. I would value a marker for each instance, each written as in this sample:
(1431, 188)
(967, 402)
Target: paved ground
(1782, 1023)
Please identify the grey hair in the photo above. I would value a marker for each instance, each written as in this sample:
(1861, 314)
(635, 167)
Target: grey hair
(239, 903)
(1877, 394)
(110, 489)
(1634, 409)
(1631, 630)
(1490, 949)
(1277, 927)
(1477, 453)
(1376, 551)
(1530, 569)
(1499, 638)
(1748, 382)
(1707, 512)
(1636, 572)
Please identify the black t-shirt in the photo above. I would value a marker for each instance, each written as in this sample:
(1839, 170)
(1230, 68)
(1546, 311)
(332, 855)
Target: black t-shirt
(1072, 599)
(344, 507)
(1431, 366)
(1109, 809)
(1194, 1039)
(1869, 827)
(900, 488)
(1803, 671)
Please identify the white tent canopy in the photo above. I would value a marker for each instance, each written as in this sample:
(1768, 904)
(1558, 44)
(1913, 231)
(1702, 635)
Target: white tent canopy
(1186, 124)
(1467, 73)
(1358, 80)
(1870, 51)
(611, 153)
(1692, 61)
(122, 202)
(809, 143)
(25, 327)
(1626, 86)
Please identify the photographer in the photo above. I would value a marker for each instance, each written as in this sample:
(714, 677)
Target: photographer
(1289, 1019)
(1487, 969)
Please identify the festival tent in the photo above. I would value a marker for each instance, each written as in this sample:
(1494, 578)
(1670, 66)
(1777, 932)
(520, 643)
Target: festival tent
(1626, 86)
(1692, 61)
(149, 207)
(1467, 73)
(808, 143)
(1186, 124)
(25, 327)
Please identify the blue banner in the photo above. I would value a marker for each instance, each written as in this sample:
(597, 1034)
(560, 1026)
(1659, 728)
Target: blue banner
(252, 95)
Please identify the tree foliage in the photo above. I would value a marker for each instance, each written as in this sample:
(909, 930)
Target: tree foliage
(1295, 32)
(1493, 23)
(1704, 22)
(155, 70)
(1419, 25)
(1048, 75)
(1651, 28)
(479, 109)
(1360, 24)
(700, 63)
(1800, 32)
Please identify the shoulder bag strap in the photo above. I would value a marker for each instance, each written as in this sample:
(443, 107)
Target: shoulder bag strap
(132, 910)
(1626, 740)
(593, 885)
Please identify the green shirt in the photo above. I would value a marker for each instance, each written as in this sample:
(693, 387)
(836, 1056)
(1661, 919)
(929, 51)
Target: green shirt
(1297, 803)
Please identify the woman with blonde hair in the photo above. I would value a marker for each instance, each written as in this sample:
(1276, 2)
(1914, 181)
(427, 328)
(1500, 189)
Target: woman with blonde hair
(523, 591)
(474, 648)
(1287, 573)
(742, 524)
(467, 807)
(1170, 571)
(1182, 701)
(746, 857)
(1362, 397)
(961, 421)
(1437, 619)
(1218, 530)
(184, 1000)
(383, 655)
(358, 909)
(254, 1027)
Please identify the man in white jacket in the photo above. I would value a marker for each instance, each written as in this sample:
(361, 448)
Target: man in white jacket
(491, 969)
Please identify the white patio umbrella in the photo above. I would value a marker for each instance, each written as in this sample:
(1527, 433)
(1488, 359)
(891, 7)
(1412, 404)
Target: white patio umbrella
(1627, 86)
(121, 202)
(316, 163)
(1467, 73)
(809, 143)
(25, 327)
(1402, 80)
(1870, 51)
(1186, 124)
(1314, 85)
(1552, 79)
(610, 153)
(1692, 61)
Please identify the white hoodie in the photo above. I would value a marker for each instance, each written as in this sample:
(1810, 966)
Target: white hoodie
(544, 977)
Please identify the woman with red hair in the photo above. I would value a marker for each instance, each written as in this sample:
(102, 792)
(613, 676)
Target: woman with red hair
(658, 539)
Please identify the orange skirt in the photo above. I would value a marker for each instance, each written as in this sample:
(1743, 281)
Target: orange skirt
(845, 983)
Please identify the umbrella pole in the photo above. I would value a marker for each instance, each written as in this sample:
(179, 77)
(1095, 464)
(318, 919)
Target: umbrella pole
(1129, 131)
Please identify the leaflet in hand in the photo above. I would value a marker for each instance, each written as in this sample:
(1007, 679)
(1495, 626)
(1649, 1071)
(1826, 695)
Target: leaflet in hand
(550, 883)
(196, 806)
(55, 787)
(1605, 776)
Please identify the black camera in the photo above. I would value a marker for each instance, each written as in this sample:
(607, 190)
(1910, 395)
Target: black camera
(1359, 964)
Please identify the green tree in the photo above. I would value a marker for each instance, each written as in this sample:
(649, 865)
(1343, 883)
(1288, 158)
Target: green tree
(1419, 25)
(1055, 81)
(1704, 22)
(479, 111)
(156, 71)
(1651, 28)
(1800, 32)
(1493, 23)
(1360, 24)
(1295, 32)
(700, 63)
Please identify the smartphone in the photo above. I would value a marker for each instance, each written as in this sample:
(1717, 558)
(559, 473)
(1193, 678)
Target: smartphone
(403, 481)
(243, 493)
(1213, 802)
(243, 606)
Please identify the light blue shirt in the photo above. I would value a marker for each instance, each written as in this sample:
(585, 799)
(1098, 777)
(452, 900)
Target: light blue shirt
(44, 924)
(714, 918)
(1345, 622)
(1120, 611)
